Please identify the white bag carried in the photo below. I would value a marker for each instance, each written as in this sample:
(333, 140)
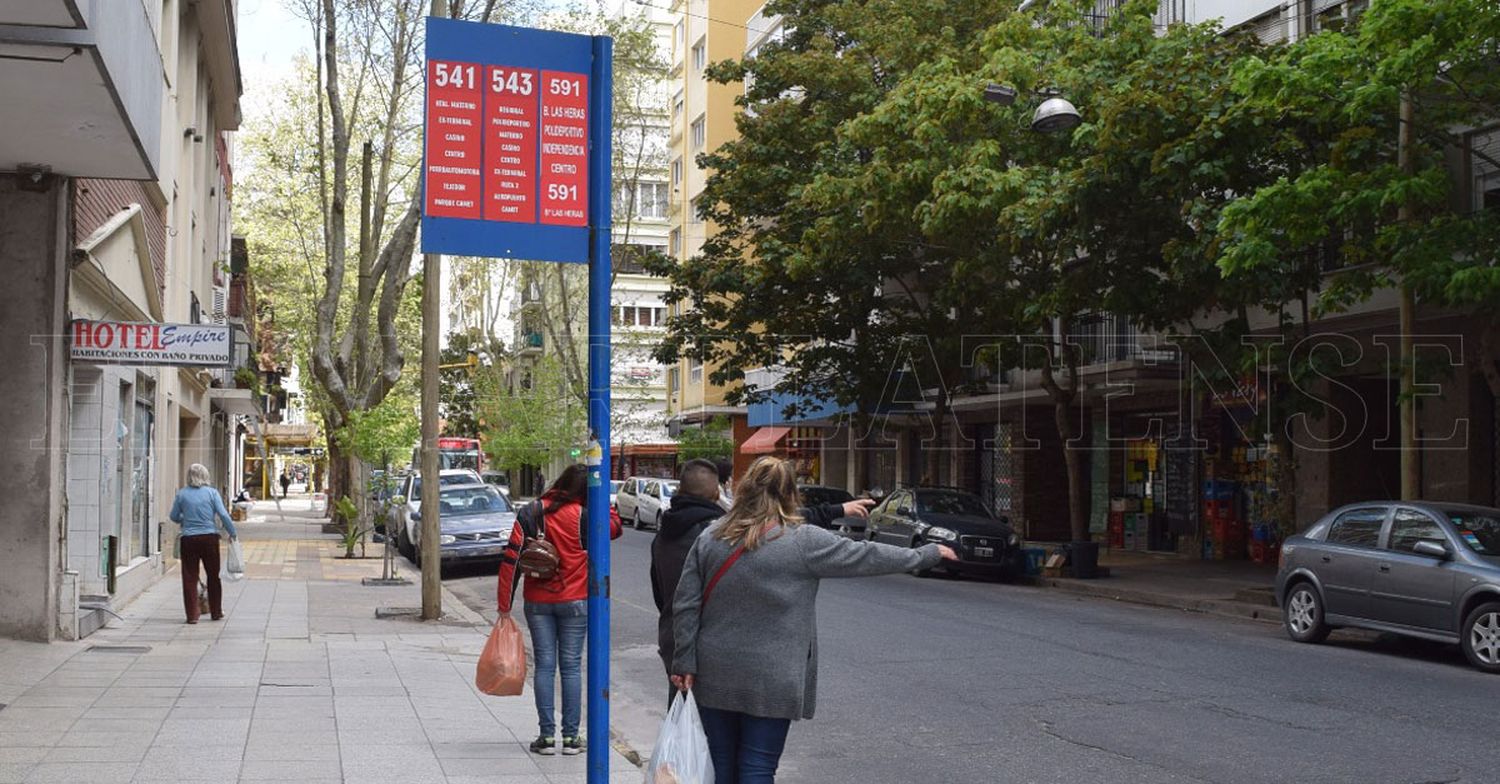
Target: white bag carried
(681, 755)
(234, 562)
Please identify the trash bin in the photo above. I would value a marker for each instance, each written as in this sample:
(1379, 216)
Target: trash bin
(1083, 558)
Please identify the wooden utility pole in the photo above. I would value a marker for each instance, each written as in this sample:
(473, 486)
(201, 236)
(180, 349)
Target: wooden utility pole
(1411, 477)
(431, 561)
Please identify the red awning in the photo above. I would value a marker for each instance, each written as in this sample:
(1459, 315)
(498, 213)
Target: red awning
(764, 441)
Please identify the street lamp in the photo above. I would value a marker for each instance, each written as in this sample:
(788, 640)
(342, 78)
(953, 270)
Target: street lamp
(1055, 115)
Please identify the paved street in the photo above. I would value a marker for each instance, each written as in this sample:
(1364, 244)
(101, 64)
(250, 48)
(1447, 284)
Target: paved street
(965, 681)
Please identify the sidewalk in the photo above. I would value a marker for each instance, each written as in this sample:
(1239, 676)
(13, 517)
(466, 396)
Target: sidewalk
(1238, 589)
(300, 682)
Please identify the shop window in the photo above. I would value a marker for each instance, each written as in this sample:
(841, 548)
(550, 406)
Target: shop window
(1410, 527)
(1358, 527)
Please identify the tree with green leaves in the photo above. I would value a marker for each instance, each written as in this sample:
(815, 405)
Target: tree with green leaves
(711, 441)
(872, 156)
(1376, 211)
(530, 418)
(457, 395)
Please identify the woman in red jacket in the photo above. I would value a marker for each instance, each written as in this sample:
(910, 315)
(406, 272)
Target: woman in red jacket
(556, 609)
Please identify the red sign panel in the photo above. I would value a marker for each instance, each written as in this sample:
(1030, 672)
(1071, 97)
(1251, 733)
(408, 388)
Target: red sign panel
(454, 112)
(510, 130)
(507, 144)
(565, 148)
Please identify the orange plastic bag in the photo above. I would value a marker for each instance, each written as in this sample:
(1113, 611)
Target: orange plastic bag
(502, 665)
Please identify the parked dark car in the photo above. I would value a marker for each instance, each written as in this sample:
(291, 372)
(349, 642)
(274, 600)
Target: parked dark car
(985, 543)
(1428, 570)
(816, 495)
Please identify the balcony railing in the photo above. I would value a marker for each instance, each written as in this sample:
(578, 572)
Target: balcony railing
(1109, 337)
(529, 343)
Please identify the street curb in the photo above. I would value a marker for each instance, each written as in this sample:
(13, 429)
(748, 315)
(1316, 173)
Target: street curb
(1222, 607)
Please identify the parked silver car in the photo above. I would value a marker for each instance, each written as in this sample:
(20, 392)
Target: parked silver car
(405, 513)
(1428, 570)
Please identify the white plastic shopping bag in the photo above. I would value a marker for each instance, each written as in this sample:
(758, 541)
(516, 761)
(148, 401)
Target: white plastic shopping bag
(681, 755)
(234, 562)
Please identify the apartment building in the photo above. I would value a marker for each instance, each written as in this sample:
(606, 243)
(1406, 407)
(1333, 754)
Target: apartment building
(702, 119)
(115, 189)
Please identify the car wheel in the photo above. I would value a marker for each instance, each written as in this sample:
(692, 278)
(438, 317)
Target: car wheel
(658, 521)
(1302, 614)
(1481, 637)
(403, 545)
(636, 523)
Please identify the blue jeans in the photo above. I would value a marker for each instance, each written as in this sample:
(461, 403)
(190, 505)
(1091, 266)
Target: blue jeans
(557, 633)
(746, 749)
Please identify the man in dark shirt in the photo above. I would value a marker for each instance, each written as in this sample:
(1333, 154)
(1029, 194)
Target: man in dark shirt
(694, 508)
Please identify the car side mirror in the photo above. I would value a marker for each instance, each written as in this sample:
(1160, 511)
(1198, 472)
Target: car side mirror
(1431, 548)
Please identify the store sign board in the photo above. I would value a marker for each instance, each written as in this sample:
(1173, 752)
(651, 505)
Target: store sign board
(505, 169)
(146, 343)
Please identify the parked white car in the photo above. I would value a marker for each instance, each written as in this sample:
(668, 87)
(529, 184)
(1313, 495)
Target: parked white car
(625, 498)
(652, 499)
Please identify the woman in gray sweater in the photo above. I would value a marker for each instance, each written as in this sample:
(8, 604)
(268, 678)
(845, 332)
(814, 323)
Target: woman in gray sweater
(744, 618)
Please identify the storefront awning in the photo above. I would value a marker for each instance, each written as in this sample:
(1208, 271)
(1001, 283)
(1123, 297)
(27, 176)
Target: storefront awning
(764, 441)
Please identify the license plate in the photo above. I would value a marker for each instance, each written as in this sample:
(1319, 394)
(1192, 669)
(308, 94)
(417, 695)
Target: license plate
(984, 552)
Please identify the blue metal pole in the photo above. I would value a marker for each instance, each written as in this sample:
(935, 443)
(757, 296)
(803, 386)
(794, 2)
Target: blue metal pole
(600, 272)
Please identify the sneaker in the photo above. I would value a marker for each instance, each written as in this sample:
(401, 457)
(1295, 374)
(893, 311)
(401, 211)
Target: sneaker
(572, 745)
(544, 746)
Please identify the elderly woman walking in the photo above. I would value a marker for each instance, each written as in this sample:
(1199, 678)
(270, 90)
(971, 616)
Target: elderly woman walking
(195, 509)
(744, 621)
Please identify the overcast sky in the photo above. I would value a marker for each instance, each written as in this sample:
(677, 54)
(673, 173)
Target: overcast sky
(270, 37)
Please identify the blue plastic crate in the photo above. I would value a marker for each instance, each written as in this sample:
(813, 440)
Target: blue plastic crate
(1035, 557)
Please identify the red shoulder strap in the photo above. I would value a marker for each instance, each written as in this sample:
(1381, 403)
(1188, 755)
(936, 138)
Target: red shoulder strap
(708, 591)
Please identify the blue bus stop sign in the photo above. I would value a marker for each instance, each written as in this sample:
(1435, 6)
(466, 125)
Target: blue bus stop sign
(507, 142)
(516, 165)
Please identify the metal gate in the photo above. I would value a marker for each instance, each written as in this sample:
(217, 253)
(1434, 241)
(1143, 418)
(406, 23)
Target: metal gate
(997, 469)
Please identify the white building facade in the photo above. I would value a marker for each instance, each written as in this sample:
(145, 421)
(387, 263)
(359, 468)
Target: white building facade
(115, 184)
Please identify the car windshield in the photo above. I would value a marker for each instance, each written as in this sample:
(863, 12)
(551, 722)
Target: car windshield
(451, 479)
(614, 487)
(1480, 531)
(814, 496)
(668, 489)
(473, 500)
(950, 503)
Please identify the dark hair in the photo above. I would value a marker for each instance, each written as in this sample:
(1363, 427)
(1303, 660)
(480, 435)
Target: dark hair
(699, 478)
(570, 487)
(725, 469)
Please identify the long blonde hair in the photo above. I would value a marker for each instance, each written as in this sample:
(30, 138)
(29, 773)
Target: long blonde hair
(766, 494)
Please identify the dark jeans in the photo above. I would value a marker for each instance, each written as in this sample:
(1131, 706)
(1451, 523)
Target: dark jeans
(202, 549)
(557, 635)
(746, 749)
